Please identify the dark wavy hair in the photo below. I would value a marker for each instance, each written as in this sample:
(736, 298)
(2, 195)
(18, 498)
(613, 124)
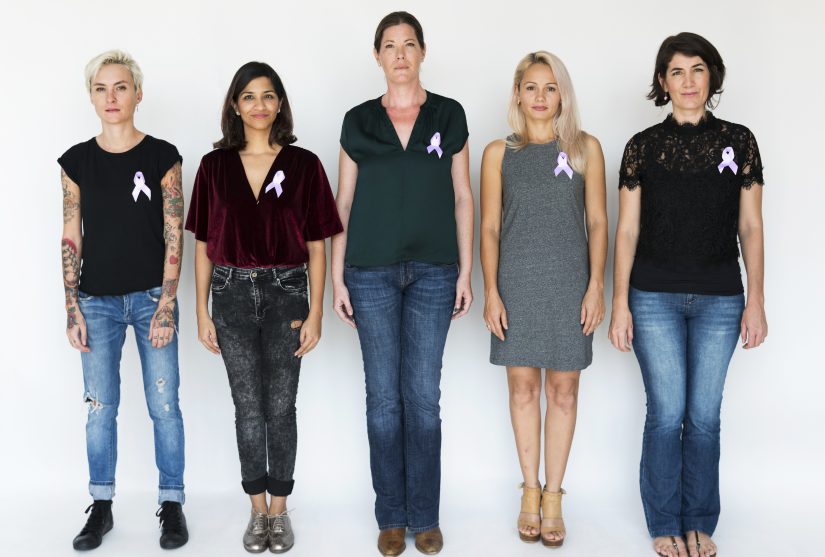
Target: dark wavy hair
(398, 18)
(232, 124)
(688, 44)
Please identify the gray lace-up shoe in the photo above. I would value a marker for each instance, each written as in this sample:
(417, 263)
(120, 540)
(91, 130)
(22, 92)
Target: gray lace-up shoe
(281, 536)
(256, 537)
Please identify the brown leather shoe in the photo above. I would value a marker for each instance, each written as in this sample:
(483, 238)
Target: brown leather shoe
(429, 542)
(391, 542)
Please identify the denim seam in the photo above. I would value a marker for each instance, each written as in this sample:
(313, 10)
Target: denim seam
(171, 487)
(424, 528)
(663, 533)
(101, 484)
(392, 526)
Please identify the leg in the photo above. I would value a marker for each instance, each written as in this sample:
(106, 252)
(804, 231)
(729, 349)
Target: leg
(161, 379)
(234, 315)
(280, 338)
(375, 295)
(428, 302)
(713, 330)
(106, 328)
(525, 413)
(660, 344)
(562, 390)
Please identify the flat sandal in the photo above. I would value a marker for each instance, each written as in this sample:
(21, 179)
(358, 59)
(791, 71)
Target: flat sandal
(676, 547)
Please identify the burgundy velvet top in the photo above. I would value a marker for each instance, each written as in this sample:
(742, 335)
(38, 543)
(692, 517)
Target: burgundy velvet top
(270, 231)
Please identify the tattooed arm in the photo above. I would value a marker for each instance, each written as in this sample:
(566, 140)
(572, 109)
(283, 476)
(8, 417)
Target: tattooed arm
(70, 249)
(163, 322)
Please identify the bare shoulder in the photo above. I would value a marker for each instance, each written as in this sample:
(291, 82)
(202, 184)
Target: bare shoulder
(593, 143)
(494, 152)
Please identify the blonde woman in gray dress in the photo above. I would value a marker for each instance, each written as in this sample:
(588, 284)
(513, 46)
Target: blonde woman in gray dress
(543, 251)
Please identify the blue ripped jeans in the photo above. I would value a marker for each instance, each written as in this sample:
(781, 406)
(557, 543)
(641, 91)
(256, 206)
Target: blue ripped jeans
(403, 313)
(107, 318)
(684, 343)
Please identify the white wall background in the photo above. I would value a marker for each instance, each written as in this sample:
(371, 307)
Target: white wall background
(189, 51)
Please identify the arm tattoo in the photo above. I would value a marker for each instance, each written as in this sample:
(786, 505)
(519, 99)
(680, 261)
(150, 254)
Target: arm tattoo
(71, 279)
(70, 203)
(173, 238)
(165, 316)
(169, 288)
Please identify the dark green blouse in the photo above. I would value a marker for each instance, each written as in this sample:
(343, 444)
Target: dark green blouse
(404, 204)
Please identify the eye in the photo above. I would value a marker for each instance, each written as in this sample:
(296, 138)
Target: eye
(411, 44)
(269, 96)
(388, 46)
(700, 70)
(551, 89)
(247, 97)
(99, 89)
(530, 87)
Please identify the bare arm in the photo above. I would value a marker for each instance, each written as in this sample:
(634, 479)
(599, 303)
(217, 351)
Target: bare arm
(203, 280)
(752, 240)
(465, 222)
(595, 204)
(347, 178)
(70, 247)
(163, 322)
(311, 328)
(494, 312)
(627, 236)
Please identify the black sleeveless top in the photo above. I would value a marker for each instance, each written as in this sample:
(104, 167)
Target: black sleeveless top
(691, 177)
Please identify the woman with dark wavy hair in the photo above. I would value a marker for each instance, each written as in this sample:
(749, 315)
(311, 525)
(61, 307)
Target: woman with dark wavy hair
(261, 209)
(689, 188)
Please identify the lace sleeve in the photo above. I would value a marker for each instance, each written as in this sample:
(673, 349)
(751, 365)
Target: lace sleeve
(752, 167)
(631, 170)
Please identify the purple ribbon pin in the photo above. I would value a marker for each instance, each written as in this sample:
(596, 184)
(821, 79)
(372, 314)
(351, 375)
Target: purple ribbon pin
(276, 183)
(434, 145)
(140, 186)
(562, 160)
(727, 160)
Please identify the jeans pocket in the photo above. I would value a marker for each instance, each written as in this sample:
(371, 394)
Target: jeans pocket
(155, 293)
(81, 297)
(294, 284)
(449, 266)
(219, 282)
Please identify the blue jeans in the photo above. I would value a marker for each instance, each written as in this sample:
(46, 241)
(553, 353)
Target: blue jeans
(684, 343)
(403, 313)
(107, 318)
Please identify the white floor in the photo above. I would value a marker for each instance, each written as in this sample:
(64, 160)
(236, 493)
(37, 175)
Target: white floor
(35, 526)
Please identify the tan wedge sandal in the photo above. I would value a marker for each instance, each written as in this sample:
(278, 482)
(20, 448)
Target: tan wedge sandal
(551, 508)
(531, 504)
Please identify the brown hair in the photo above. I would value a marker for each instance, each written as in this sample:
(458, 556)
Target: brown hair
(688, 44)
(232, 124)
(398, 18)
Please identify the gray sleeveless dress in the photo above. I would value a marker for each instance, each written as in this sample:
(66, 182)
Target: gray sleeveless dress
(544, 266)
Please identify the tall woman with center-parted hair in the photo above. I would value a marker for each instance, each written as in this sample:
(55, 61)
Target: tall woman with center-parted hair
(261, 209)
(543, 251)
(689, 187)
(403, 267)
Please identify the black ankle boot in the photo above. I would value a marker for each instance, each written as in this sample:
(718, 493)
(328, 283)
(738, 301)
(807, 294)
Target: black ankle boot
(173, 525)
(99, 523)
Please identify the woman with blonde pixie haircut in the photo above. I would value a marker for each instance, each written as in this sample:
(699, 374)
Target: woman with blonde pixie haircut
(543, 251)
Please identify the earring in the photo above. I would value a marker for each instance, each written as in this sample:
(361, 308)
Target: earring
(137, 107)
(519, 102)
(238, 113)
(665, 97)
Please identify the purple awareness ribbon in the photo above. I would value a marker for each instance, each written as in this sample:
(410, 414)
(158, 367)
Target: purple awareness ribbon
(434, 145)
(562, 160)
(727, 160)
(140, 186)
(276, 183)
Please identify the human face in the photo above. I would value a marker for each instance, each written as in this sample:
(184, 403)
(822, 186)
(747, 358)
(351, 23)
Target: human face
(401, 54)
(539, 93)
(113, 94)
(687, 83)
(258, 104)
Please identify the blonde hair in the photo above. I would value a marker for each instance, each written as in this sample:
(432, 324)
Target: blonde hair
(566, 123)
(114, 57)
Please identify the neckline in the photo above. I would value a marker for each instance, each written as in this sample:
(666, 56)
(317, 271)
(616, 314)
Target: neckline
(127, 152)
(421, 108)
(689, 128)
(267, 178)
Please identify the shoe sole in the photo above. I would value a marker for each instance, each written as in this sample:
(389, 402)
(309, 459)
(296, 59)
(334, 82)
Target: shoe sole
(403, 547)
(429, 552)
(105, 531)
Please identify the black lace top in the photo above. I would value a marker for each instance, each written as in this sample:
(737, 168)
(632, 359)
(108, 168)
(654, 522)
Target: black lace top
(691, 177)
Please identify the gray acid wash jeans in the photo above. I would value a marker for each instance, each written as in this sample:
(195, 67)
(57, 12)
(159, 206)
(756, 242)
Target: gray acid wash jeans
(257, 315)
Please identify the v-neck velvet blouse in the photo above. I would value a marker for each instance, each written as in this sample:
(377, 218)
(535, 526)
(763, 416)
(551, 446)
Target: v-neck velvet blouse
(272, 230)
(404, 203)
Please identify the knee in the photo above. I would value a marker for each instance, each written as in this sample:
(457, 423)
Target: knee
(97, 409)
(524, 394)
(563, 394)
(705, 421)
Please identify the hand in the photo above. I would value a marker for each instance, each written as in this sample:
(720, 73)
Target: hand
(341, 305)
(76, 328)
(593, 310)
(162, 328)
(310, 334)
(495, 315)
(621, 328)
(207, 334)
(754, 325)
(463, 296)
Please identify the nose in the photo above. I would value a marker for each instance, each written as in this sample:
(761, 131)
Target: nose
(110, 97)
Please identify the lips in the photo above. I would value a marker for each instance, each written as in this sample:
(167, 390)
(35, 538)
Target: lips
(260, 116)
(540, 108)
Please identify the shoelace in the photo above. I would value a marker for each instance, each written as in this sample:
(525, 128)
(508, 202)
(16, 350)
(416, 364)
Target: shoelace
(278, 525)
(259, 522)
(170, 518)
(95, 519)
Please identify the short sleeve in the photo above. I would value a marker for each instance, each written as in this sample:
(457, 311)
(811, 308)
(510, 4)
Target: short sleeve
(345, 136)
(167, 158)
(197, 221)
(458, 127)
(70, 164)
(630, 173)
(752, 165)
(322, 220)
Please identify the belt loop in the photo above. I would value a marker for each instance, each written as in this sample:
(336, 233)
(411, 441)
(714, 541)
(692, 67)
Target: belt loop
(230, 274)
